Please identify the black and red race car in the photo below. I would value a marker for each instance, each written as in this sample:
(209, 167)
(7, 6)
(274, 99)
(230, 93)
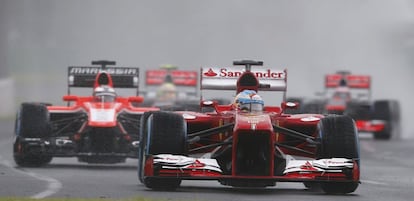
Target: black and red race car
(171, 89)
(350, 94)
(247, 143)
(99, 128)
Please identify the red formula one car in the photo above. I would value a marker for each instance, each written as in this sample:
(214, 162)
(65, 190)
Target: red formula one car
(350, 94)
(102, 128)
(248, 144)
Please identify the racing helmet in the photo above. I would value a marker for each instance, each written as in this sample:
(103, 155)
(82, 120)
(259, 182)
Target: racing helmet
(249, 101)
(104, 94)
(167, 92)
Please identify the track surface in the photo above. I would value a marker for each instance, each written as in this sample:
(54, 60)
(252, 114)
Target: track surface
(387, 174)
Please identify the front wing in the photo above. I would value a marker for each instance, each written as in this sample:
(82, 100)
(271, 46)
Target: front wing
(188, 168)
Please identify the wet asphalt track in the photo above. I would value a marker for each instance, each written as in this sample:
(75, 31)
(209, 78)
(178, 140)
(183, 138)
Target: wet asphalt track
(387, 174)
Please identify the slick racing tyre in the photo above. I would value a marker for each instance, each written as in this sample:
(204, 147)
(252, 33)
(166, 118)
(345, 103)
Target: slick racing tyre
(32, 122)
(142, 145)
(164, 133)
(338, 139)
(358, 110)
(24, 159)
(389, 112)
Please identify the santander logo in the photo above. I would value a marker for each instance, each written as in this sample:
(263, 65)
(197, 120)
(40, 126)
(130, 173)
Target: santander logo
(226, 73)
(210, 73)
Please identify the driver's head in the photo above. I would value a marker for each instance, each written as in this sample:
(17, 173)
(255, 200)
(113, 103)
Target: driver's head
(249, 101)
(167, 92)
(104, 93)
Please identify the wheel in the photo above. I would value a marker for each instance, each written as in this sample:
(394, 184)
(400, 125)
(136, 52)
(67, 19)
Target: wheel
(338, 139)
(142, 145)
(32, 121)
(162, 132)
(358, 110)
(388, 111)
(24, 159)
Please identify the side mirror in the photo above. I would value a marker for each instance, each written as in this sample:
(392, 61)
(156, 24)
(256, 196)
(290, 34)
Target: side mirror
(290, 105)
(208, 103)
(70, 98)
(136, 99)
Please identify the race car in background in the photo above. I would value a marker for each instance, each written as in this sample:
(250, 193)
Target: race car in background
(248, 143)
(350, 94)
(99, 128)
(171, 89)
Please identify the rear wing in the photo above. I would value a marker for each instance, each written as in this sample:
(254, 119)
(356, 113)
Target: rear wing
(225, 78)
(179, 77)
(351, 81)
(185, 81)
(84, 76)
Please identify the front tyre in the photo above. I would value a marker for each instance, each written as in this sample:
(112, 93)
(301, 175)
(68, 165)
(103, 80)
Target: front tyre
(338, 139)
(32, 122)
(22, 157)
(164, 133)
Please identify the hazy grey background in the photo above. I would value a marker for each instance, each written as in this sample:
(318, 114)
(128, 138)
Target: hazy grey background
(40, 38)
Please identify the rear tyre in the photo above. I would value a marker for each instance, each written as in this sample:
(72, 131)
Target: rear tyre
(164, 133)
(32, 121)
(388, 111)
(338, 139)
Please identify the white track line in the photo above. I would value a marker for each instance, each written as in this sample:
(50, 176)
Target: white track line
(53, 185)
(374, 182)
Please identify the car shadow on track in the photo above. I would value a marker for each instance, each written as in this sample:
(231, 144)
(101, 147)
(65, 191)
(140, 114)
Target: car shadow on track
(71, 163)
(218, 189)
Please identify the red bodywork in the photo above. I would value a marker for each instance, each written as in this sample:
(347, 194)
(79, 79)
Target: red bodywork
(101, 113)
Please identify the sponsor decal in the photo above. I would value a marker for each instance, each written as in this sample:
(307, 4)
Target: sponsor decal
(188, 116)
(352, 81)
(308, 166)
(181, 163)
(255, 119)
(197, 164)
(102, 115)
(265, 74)
(186, 78)
(335, 165)
(96, 70)
(311, 118)
(210, 73)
